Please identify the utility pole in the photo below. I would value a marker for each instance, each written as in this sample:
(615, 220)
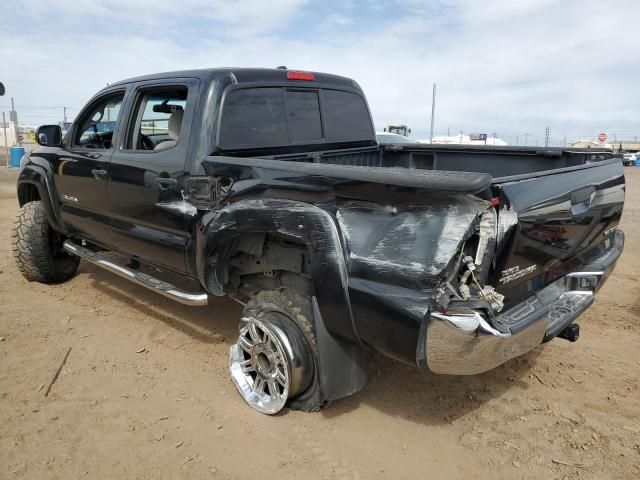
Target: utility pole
(460, 142)
(433, 112)
(15, 120)
(564, 141)
(526, 138)
(547, 131)
(6, 144)
(517, 140)
(65, 114)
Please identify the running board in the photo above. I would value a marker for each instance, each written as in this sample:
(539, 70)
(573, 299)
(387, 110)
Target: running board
(152, 283)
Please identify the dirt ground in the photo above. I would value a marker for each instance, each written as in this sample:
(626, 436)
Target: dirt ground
(170, 411)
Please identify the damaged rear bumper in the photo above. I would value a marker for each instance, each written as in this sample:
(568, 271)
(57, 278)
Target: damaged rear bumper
(464, 342)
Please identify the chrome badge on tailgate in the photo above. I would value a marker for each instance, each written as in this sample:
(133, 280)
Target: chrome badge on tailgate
(513, 273)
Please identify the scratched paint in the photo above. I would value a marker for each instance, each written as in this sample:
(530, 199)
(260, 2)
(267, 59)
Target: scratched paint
(181, 207)
(407, 241)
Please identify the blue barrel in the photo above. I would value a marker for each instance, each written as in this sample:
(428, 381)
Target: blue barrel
(15, 156)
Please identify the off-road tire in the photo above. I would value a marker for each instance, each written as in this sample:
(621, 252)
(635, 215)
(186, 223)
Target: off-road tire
(294, 304)
(286, 315)
(37, 248)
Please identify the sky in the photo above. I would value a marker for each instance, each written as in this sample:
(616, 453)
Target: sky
(510, 67)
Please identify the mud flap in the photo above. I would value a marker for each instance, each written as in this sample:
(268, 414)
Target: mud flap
(341, 368)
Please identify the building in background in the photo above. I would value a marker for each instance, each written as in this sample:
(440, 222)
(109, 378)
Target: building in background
(462, 139)
(620, 145)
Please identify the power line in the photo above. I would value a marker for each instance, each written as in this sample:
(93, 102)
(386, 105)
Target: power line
(433, 111)
(547, 132)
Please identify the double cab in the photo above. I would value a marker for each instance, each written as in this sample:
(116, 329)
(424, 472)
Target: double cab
(268, 186)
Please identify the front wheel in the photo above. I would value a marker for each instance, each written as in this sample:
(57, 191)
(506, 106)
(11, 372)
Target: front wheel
(272, 360)
(37, 248)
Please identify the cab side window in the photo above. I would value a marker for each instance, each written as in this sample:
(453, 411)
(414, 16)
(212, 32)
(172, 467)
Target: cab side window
(159, 115)
(96, 126)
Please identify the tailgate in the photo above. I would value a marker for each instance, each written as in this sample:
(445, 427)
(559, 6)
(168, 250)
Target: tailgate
(553, 224)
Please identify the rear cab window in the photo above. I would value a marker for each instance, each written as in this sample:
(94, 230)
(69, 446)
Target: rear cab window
(264, 117)
(346, 116)
(253, 117)
(303, 116)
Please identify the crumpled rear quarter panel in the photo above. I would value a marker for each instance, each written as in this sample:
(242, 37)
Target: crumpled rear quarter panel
(397, 255)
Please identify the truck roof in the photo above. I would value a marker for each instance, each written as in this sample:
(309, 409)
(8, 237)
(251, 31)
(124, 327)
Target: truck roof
(244, 75)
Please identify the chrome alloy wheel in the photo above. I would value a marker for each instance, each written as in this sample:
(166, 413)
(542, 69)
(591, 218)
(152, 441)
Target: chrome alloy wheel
(270, 361)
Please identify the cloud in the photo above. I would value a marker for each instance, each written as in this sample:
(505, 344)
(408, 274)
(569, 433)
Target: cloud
(237, 14)
(501, 66)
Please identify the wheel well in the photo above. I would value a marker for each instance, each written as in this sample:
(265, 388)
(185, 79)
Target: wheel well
(265, 261)
(28, 193)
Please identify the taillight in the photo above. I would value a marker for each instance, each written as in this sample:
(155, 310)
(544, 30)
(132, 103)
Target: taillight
(293, 75)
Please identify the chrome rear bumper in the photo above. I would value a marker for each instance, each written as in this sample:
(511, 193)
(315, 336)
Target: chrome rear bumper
(464, 342)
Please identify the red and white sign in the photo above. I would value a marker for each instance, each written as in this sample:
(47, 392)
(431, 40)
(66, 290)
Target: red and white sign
(20, 138)
(602, 137)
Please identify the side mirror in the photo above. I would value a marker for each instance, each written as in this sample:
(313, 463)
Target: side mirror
(1, 89)
(49, 135)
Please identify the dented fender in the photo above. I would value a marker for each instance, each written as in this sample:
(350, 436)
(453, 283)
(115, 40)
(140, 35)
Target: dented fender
(376, 269)
(305, 223)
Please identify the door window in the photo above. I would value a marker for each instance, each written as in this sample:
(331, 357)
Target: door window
(96, 126)
(159, 116)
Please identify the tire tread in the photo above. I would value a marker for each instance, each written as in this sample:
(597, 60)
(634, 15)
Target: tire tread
(32, 251)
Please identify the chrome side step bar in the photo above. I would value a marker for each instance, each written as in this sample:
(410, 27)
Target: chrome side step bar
(152, 283)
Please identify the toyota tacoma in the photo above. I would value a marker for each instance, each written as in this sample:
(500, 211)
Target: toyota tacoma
(268, 186)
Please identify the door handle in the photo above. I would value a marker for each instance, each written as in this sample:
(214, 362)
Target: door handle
(166, 181)
(98, 173)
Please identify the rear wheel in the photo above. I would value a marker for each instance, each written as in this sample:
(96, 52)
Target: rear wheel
(37, 248)
(272, 360)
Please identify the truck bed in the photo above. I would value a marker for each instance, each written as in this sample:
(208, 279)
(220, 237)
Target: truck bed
(499, 162)
(407, 213)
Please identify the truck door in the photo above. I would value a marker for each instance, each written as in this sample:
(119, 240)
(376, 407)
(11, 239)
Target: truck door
(81, 167)
(150, 219)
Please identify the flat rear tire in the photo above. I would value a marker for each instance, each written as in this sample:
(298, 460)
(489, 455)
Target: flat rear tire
(272, 360)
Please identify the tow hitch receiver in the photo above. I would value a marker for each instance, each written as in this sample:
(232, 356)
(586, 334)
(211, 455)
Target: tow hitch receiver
(571, 333)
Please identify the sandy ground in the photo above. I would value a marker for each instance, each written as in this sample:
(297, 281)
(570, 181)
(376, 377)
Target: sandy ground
(563, 411)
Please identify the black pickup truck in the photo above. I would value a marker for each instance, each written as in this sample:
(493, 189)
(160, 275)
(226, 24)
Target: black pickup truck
(268, 185)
